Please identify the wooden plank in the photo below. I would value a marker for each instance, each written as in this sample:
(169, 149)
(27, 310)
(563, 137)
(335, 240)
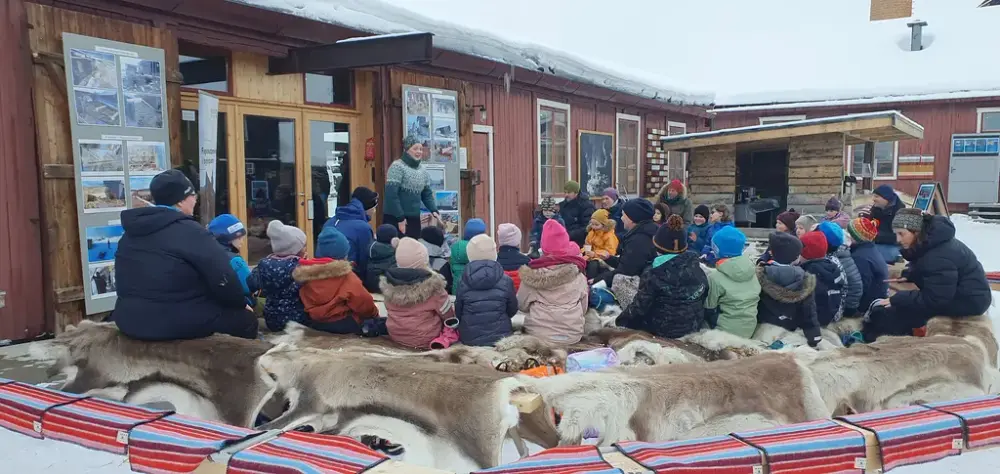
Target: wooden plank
(826, 190)
(250, 81)
(812, 162)
(713, 189)
(174, 81)
(801, 182)
(712, 180)
(712, 198)
(816, 172)
(58, 171)
(809, 199)
(67, 295)
(526, 402)
(779, 133)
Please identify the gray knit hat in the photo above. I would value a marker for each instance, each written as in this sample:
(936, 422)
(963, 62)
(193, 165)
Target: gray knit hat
(806, 221)
(286, 240)
(909, 218)
(409, 141)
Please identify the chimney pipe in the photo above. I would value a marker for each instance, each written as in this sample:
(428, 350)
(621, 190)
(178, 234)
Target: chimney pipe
(917, 34)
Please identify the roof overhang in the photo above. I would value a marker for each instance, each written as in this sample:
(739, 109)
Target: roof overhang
(856, 128)
(381, 50)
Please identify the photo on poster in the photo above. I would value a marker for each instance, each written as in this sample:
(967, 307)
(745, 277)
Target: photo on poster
(141, 76)
(444, 150)
(103, 194)
(102, 280)
(97, 107)
(418, 126)
(101, 156)
(444, 105)
(418, 103)
(449, 217)
(93, 70)
(143, 111)
(436, 177)
(445, 128)
(102, 242)
(146, 157)
(138, 187)
(446, 200)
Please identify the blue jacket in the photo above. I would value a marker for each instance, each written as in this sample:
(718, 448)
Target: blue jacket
(484, 304)
(273, 277)
(616, 215)
(701, 232)
(830, 288)
(242, 272)
(710, 256)
(536, 228)
(352, 221)
(874, 273)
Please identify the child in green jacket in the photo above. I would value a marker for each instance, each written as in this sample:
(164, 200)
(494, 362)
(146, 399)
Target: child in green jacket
(733, 289)
(459, 258)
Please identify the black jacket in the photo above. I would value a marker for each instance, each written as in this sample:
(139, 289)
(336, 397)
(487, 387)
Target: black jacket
(874, 273)
(670, 302)
(511, 258)
(381, 257)
(854, 286)
(885, 216)
(635, 252)
(787, 299)
(173, 278)
(576, 214)
(484, 304)
(949, 277)
(830, 285)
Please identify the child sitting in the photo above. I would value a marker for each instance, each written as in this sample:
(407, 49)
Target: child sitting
(661, 211)
(486, 299)
(509, 254)
(459, 259)
(698, 230)
(230, 232)
(439, 252)
(784, 224)
(834, 214)
(331, 292)
(553, 290)
(548, 210)
(733, 289)
(830, 279)
(671, 298)
(840, 253)
(787, 292)
(720, 219)
(805, 223)
(273, 276)
(601, 242)
(416, 299)
(381, 255)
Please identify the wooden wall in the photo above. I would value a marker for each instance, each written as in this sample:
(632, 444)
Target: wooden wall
(815, 171)
(712, 175)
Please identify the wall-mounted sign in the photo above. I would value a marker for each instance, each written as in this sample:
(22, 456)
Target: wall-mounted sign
(975, 145)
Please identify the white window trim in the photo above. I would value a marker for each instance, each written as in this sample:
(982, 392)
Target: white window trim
(640, 150)
(779, 118)
(895, 164)
(979, 117)
(684, 170)
(538, 140)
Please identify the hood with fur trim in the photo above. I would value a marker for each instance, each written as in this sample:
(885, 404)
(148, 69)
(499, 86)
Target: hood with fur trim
(320, 269)
(786, 284)
(410, 286)
(547, 278)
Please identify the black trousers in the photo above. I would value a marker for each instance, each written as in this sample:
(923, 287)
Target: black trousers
(412, 224)
(347, 325)
(239, 323)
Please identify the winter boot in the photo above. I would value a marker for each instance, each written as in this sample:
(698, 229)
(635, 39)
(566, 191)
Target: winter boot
(448, 336)
(382, 444)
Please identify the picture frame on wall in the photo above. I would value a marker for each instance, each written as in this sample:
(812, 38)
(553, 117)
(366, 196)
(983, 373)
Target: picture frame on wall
(595, 160)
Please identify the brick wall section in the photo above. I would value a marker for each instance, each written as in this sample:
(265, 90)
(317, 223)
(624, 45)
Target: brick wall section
(655, 162)
(891, 9)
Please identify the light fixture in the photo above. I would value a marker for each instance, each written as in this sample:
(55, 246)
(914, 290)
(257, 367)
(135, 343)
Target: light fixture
(482, 112)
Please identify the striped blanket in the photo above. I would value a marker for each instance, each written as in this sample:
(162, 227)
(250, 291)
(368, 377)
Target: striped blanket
(22, 406)
(177, 443)
(816, 447)
(306, 453)
(564, 460)
(97, 424)
(716, 455)
(911, 435)
(980, 417)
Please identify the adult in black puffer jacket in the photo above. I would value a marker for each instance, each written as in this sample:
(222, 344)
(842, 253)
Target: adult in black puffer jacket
(486, 299)
(576, 210)
(635, 249)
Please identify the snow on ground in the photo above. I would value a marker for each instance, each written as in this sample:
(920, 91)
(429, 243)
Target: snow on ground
(982, 238)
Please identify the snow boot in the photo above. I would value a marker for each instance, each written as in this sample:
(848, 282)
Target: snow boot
(382, 444)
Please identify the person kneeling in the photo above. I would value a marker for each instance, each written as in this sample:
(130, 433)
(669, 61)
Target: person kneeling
(787, 297)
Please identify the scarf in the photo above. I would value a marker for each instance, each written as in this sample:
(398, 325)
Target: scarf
(553, 260)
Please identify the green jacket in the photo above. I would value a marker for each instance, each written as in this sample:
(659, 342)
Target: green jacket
(733, 289)
(459, 259)
(406, 186)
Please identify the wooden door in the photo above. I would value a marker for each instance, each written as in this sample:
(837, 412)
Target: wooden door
(482, 161)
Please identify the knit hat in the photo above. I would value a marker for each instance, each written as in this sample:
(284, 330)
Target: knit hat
(549, 204)
(555, 240)
(411, 254)
(571, 187)
(785, 247)
(285, 239)
(638, 210)
(474, 227)
(676, 185)
(481, 247)
(833, 233)
(432, 235)
(671, 236)
(604, 218)
(170, 187)
(814, 245)
(863, 229)
(331, 243)
(385, 233)
(508, 235)
(368, 198)
(611, 193)
(833, 204)
(226, 228)
(887, 193)
(703, 211)
(806, 221)
(728, 242)
(909, 218)
(409, 141)
(788, 218)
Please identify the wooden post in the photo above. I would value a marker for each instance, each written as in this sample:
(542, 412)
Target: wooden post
(869, 160)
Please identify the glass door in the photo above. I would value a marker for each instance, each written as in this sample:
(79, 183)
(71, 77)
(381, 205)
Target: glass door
(329, 150)
(190, 147)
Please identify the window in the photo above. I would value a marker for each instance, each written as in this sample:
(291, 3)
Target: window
(781, 119)
(629, 127)
(884, 163)
(334, 88)
(554, 166)
(988, 120)
(204, 68)
(191, 152)
(677, 160)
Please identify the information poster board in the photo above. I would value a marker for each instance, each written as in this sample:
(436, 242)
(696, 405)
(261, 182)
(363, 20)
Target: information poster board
(118, 124)
(431, 115)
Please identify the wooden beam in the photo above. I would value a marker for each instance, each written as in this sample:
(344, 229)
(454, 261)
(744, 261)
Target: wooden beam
(715, 139)
(361, 52)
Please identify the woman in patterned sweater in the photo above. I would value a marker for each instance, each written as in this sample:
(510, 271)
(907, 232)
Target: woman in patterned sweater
(407, 185)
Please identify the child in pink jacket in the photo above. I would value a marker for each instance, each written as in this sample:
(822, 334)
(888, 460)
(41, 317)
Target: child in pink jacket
(417, 300)
(554, 290)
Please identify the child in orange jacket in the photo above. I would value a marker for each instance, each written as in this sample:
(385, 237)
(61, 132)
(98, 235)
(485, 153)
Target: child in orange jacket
(601, 242)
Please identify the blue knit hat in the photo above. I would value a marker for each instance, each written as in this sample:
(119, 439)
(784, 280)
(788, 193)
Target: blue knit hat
(226, 228)
(385, 233)
(728, 242)
(834, 234)
(887, 193)
(331, 243)
(474, 227)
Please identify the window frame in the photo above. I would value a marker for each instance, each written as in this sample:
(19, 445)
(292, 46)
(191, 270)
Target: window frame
(204, 50)
(638, 151)
(979, 118)
(539, 103)
(779, 119)
(875, 177)
(353, 87)
(683, 154)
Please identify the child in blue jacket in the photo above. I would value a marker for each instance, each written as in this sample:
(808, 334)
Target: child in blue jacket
(548, 210)
(230, 232)
(719, 219)
(698, 230)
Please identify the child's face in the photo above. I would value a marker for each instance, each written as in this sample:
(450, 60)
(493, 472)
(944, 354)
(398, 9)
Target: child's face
(780, 226)
(832, 214)
(716, 216)
(548, 214)
(799, 230)
(238, 242)
(594, 225)
(657, 216)
(699, 219)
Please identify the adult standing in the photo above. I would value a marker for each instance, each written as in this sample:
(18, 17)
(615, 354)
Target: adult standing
(885, 205)
(576, 210)
(406, 186)
(674, 195)
(174, 280)
(352, 220)
(611, 201)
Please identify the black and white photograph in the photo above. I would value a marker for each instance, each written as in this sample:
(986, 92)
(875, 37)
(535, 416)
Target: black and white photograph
(93, 70)
(102, 280)
(418, 103)
(436, 175)
(140, 76)
(444, 105)
(103, 194)
(101, 157)
(596, 161)
(97, 107)
(146, 157)
(143, 111)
